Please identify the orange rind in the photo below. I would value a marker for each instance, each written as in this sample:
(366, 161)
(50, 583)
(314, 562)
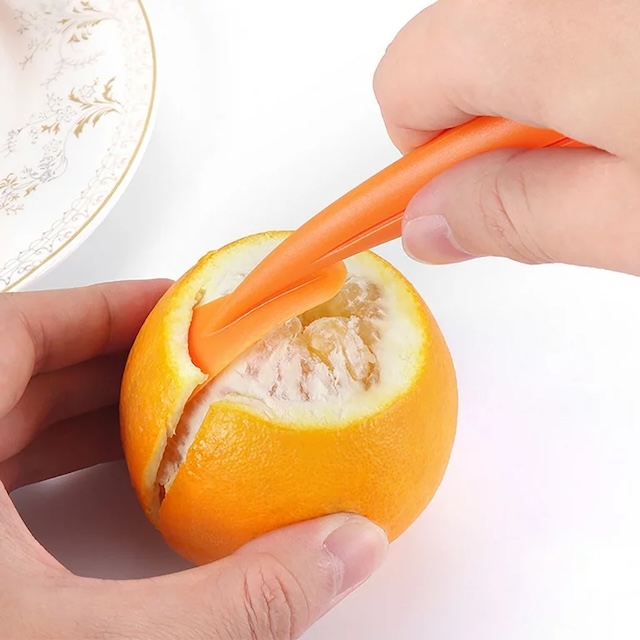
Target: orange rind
(348, 407)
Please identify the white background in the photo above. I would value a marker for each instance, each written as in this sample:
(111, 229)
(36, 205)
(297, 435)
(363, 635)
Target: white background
(266, 114)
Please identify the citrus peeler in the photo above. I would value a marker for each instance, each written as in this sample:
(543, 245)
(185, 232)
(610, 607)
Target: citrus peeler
(306, 269)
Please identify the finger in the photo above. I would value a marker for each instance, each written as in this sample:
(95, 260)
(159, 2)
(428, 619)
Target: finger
(274, 588)
(575, 206)
(70, 445)
(57, 395)
(47, 330)
(411, 112)
(533, 62)
(30, 578)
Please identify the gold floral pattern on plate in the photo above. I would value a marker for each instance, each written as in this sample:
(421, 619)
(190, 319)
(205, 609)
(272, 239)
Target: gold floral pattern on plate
(50, 131)
(87, 69)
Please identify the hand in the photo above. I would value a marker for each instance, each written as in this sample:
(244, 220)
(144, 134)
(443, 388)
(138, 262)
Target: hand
(558, 64)
(61, 358)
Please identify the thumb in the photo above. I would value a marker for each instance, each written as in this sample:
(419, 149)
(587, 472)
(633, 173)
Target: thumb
(274, 588)
(577, 206)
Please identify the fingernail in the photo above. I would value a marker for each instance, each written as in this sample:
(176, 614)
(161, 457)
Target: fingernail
(359, 547)
(429, 239)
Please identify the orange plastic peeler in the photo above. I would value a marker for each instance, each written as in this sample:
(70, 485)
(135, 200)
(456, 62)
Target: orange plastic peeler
(306, 269)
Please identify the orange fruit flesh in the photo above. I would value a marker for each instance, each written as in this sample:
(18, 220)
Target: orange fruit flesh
(350, 406)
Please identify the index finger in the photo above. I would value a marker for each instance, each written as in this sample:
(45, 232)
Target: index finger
(47, 330)
(541, 63)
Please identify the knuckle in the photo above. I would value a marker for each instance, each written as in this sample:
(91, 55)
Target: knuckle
(507, 215)
(381, 80)
(391, 86)
(273, 605)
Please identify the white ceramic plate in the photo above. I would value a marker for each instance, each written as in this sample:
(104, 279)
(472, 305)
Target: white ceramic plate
(77, 88)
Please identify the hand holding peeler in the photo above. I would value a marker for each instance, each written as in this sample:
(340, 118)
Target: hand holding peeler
(306, 269)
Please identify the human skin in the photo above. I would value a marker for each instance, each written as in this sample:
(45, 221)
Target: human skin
(559, 64)
(556, 64)
(61, 359)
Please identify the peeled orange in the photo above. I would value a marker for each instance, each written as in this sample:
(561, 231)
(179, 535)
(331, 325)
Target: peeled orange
(350, 407)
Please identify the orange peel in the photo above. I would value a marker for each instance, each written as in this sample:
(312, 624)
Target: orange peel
(350, 406)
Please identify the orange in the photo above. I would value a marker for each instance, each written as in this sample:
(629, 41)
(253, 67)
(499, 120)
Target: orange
(350, 407)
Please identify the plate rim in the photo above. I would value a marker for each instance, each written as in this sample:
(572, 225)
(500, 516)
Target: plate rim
(110, 199)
